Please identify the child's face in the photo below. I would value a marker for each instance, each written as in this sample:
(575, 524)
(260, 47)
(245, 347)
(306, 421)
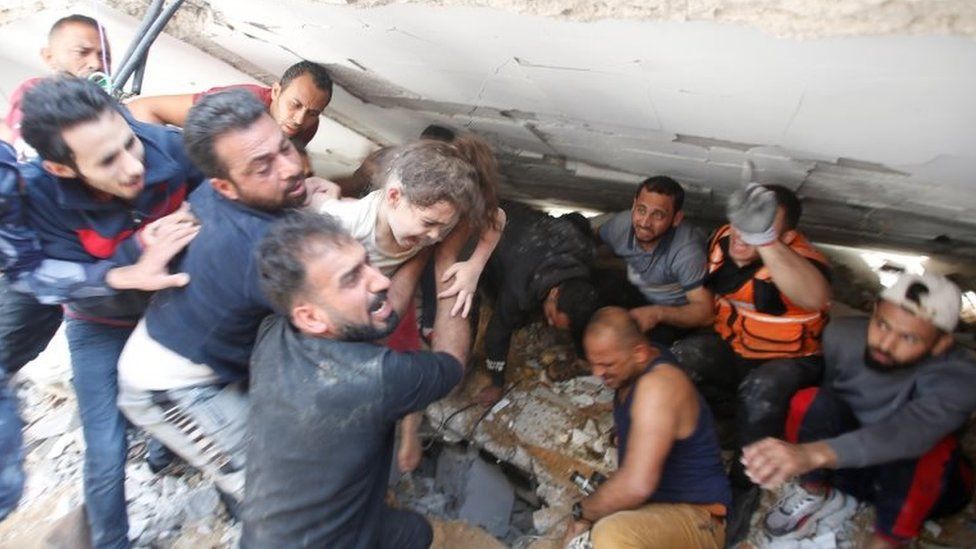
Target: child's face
(414, 226)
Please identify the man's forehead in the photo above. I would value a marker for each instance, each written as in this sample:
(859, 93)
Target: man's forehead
(902, 319)
(75, 32)
(653, 198)
(113, 133)
(239, 147)
(303, 87)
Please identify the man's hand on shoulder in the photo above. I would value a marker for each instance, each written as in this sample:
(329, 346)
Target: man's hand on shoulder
(169, 236)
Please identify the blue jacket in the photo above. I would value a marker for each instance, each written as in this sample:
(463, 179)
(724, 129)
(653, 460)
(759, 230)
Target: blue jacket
(214, 319)
(88, 236)
(20, 249)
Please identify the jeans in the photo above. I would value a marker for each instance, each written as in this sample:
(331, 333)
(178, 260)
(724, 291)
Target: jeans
(205, 425)
(26, 327)
(95, 350)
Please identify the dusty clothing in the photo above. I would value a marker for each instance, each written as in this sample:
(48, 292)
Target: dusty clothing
(535, 253)
(322, 425)
(693, 471)
(660, 526)
(751, 314)
(675, 266)
(902, 412)
(263, 94)
(214, 319)
(359, 218)
(936, 482)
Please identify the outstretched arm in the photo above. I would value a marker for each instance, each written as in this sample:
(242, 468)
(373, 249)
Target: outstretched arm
(467, 273)
(162, 109)
(796, 276)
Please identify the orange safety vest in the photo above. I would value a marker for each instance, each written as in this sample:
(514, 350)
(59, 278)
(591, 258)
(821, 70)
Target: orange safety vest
(753, 334)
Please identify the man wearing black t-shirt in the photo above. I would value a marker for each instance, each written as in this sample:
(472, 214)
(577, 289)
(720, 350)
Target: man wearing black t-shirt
(325, 402)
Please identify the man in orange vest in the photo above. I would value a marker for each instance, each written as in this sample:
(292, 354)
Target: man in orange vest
(772, 293)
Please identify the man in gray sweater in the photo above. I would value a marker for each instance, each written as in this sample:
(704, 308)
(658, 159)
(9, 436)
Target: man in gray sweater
(882, 426)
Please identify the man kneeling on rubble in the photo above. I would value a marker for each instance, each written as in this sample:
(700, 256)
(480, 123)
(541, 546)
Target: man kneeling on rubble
(670, 489)
(896, 390)
(324, 402)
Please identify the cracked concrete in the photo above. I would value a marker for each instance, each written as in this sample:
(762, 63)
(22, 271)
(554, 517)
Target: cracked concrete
(783, 18)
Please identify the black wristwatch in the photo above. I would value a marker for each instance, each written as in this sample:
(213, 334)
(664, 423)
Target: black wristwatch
(578, 511)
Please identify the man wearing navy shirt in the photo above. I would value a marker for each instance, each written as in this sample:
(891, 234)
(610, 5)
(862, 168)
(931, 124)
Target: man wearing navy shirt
(189, 355)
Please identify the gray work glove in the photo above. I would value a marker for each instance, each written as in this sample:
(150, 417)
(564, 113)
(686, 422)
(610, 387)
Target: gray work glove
(751, 212)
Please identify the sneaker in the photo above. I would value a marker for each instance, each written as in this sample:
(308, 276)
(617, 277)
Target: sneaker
(796, 514)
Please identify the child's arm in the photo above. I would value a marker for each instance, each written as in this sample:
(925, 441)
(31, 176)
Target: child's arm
(467, 273)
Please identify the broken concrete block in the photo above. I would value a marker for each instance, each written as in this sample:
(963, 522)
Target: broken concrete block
(546, 519)
(580, 438)
(451, 474)
(488, 498)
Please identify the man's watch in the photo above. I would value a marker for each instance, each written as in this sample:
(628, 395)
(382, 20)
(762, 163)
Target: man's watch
(578, 511)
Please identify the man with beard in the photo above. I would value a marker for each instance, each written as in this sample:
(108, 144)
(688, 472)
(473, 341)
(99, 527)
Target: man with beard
(181, 373)
(325, 402)
(665, 261)
(883, 425)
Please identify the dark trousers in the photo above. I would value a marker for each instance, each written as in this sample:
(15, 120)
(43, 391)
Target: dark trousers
(26, 327)
(905, 493)
(403, 529)
(755, 392)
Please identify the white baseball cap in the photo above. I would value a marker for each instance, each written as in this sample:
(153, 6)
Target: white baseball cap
(930, 296)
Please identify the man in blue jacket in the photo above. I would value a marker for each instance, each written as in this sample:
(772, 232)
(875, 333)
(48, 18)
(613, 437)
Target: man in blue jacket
(190, 354)
(104, 199)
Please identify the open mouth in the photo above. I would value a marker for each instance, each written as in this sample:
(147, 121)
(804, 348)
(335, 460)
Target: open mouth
(380, 307)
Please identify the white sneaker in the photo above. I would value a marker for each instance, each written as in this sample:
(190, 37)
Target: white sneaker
(797, 513)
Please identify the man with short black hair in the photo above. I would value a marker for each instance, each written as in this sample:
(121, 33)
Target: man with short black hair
(325, 401)
(295, 101)
(189, 355)
(104, 199)
(76, 45)
(540, 263)
(771, 299)
(665, 259)
(883, 426)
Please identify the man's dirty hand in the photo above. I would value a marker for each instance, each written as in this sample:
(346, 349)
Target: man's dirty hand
(752, 211)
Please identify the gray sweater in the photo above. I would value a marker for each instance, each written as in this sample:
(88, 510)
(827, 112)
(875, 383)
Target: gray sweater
(903, 413)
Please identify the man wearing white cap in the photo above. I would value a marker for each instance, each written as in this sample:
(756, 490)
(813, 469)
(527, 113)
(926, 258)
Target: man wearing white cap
(882, 426)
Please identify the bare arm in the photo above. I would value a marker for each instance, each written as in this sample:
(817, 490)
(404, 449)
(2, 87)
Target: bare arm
(771, 462)
(796, 277)
(162, 109)
(655, 425)
(452, 334)
(466, 273)
(699, 311)
(403, 283)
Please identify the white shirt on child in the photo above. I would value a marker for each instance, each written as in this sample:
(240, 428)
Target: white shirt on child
(359, 218)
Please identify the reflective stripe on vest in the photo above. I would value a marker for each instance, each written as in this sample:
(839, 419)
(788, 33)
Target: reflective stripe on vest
(753, 334)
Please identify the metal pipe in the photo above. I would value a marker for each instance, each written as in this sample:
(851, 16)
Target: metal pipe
(151, 13)
(144, 43)
(140, 73)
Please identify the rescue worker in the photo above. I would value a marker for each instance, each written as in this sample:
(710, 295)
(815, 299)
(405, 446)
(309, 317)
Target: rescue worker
(771, 299)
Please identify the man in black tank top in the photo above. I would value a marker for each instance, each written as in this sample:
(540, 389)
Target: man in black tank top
(670, 489)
